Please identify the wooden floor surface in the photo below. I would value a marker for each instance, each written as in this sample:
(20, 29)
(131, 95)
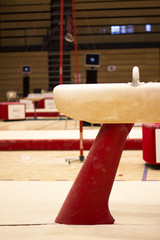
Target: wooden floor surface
(34, 185)
(51, 165)
(28, 210)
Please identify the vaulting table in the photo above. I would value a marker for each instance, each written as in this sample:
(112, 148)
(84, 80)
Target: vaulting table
(117, 107)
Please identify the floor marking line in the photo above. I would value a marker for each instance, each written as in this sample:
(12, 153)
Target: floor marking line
(145, 172)
(25, 224)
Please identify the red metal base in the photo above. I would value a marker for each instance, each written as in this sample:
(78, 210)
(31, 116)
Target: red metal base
(87, 201)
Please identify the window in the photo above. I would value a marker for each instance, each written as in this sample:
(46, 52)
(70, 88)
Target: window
(115, 29)
(123, 29)
(148, 27)
(130, 29)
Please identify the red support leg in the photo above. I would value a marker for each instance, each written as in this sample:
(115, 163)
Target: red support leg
(87, 201)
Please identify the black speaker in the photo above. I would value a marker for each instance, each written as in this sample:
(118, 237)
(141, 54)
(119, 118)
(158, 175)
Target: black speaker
(91, 76)
(25, 85)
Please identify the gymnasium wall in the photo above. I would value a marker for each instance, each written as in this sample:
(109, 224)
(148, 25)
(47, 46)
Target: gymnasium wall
(11, 76)
(116, 64)
(23, 27)
(109, 22)
(24, 22)
(125, 33)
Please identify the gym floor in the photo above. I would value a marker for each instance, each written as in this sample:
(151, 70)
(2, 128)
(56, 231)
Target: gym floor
(34, 184)
(51, 165)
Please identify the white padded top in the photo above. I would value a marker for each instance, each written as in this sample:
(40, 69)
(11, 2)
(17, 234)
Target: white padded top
(109, 103)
